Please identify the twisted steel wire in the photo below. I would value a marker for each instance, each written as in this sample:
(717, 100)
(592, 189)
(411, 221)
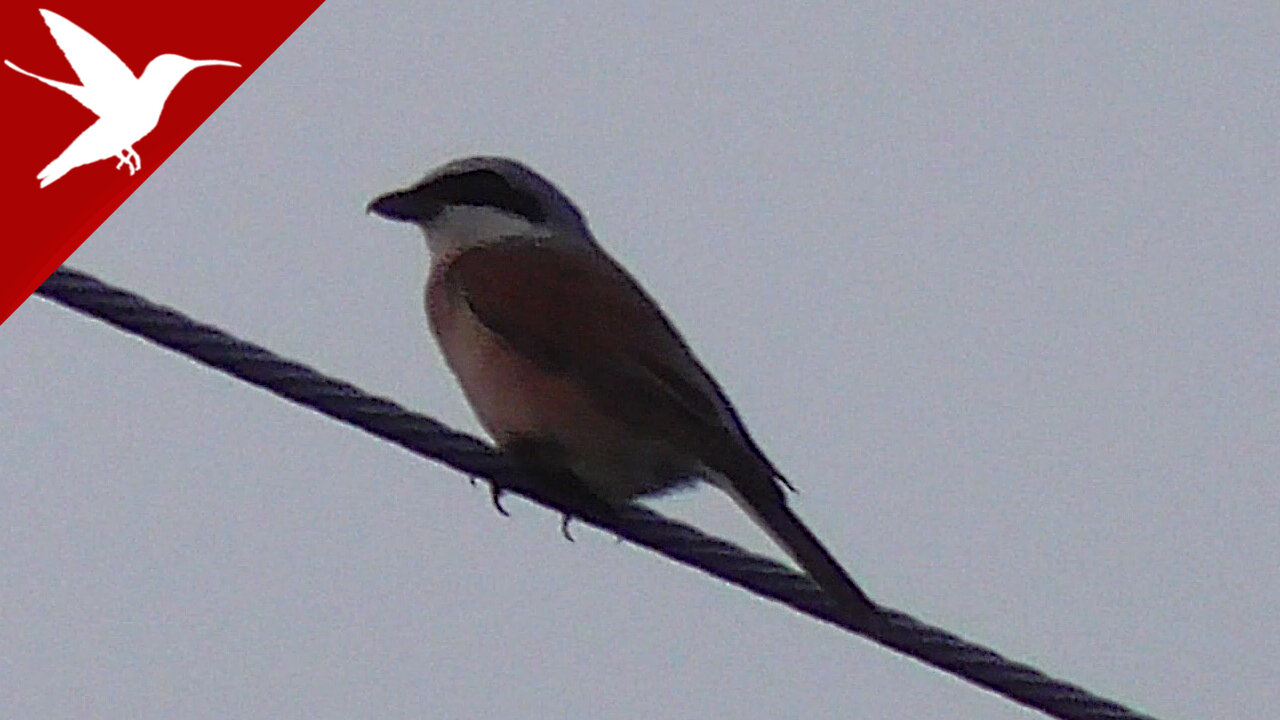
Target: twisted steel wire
(426, 437)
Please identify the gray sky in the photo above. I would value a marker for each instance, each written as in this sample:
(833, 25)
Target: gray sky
(995, 288)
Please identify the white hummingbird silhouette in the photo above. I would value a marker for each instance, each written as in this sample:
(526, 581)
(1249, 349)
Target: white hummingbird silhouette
(127, 107)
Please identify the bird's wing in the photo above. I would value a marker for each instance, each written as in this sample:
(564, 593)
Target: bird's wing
(580, 314)
(81, 95)
(101, 72)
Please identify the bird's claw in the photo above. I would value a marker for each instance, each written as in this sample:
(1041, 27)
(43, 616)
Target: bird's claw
(564, 527)
(495, 494)
(129, 158)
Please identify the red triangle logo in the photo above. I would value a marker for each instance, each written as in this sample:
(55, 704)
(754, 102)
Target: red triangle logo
(98, 95)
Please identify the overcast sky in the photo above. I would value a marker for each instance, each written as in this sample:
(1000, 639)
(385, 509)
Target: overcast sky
(996, 288)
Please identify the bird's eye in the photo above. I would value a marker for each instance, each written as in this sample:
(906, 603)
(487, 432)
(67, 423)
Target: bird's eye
(488, 189)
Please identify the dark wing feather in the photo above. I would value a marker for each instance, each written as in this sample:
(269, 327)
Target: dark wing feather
(579, 313)
(552, 305)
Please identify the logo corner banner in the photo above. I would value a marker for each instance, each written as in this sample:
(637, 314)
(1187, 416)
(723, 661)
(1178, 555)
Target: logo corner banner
(88, 86)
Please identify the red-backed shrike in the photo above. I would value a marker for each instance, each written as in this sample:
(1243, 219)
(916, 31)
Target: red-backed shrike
(559, 350)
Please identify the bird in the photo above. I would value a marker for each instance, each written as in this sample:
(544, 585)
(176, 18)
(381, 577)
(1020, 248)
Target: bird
(128, 107)
(569, 364)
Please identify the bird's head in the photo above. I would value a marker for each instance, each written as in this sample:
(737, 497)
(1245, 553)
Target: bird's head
(481, 200)
(168, 69)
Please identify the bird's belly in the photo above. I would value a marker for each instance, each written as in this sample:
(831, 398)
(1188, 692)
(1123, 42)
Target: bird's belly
(515, 398)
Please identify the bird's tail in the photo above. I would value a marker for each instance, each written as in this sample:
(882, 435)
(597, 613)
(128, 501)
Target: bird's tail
(792, 535)
(54, 170)
(60, 166)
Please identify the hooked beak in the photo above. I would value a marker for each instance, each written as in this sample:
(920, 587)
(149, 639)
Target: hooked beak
(405, 205)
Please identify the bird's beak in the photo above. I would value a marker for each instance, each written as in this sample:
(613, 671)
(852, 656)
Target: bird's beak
(404, 205)
(204, 63)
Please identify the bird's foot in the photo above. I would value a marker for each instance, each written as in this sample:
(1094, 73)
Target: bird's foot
(127, 158)
(495, 495)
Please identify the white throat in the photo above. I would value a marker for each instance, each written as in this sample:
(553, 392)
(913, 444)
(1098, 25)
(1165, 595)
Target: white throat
(460, 227)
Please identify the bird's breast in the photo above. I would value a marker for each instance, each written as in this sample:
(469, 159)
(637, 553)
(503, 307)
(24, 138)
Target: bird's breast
(512, 395)
(515, 397)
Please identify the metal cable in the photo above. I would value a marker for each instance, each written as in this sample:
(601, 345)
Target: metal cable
(429, 438)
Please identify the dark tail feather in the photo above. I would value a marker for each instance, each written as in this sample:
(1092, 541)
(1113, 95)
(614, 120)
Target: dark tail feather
(789, 532)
